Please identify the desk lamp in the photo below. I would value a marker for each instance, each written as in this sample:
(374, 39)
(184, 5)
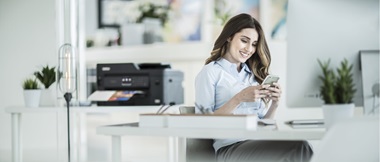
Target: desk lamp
(67, 80)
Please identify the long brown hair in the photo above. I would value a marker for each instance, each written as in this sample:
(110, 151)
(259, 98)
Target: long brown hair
(260, 61)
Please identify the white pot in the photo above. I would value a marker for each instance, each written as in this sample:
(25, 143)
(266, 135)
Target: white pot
(334, 113)
(48, 97)
(32, 97)
(132, 34)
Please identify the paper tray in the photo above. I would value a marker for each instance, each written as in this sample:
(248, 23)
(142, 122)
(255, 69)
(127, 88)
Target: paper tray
(199, 121)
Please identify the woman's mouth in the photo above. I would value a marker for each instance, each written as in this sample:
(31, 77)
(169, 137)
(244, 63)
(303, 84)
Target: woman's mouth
(244, 54)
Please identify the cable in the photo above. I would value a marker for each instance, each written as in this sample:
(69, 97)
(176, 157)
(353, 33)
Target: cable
(162, 106)
(68, 97)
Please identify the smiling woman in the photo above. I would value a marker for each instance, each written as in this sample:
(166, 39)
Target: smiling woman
(230, 83)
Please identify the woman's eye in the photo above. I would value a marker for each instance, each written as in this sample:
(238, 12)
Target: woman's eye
(244, 41)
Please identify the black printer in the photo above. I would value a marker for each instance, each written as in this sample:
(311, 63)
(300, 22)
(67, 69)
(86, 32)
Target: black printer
(156, 83)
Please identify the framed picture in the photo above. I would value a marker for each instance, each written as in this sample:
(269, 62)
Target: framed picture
(111, 12)
(181, 20)
(369, 64)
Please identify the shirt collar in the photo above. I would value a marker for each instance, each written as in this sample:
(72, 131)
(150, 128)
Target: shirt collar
(228, 65)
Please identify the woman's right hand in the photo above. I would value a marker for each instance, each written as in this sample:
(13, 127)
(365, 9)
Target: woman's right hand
(253, 93)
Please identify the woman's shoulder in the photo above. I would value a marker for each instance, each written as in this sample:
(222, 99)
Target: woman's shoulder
(211, 68)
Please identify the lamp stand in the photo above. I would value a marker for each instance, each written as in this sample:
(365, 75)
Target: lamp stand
(68, 97)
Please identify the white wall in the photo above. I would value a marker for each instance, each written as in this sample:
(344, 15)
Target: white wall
(27, 42)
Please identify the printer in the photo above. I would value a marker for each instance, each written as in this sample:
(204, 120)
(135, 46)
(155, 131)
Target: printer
(156, 83)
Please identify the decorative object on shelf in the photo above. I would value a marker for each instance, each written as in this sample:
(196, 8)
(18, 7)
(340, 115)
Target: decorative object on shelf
(129, 17)
(132, 33)
(47, 77)
(337, 91)
(153, 30)
(32, 92)
(154, 10)
(154, 16)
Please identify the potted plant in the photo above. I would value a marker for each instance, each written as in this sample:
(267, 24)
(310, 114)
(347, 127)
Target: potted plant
(32, 92)
(337, 91)
(47, 76)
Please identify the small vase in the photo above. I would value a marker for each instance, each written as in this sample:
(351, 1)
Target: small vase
(48, 98)
(32, 97)
(334, 113)
(153, 30)
(132, 34)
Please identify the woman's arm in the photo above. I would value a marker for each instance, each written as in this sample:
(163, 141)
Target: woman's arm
(249, 94)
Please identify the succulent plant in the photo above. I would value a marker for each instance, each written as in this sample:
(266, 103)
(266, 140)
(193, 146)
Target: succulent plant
(337, 89)
(46, 76)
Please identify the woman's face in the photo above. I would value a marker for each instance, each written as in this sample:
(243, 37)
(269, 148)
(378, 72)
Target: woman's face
(241, 46)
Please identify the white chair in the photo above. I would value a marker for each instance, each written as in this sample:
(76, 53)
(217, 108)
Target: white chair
(351, 140)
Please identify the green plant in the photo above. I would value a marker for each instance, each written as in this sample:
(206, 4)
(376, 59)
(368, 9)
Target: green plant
(154, 10)
(46, 76)
(337, 89)
(30, 84)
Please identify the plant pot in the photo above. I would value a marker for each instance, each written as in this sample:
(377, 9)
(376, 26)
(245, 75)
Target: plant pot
(334, 113)
(32, 97)
(48, 97)
(132, 34)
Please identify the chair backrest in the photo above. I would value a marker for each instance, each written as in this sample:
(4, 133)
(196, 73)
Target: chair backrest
(198, 150)
(187, 110)
(351, 140)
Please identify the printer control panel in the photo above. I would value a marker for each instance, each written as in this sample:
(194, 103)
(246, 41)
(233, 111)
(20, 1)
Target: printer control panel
(127, 81)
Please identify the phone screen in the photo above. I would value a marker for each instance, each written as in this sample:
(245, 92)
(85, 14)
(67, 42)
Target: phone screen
(270, 79)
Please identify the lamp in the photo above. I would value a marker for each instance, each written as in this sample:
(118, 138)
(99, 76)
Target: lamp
(67, 70)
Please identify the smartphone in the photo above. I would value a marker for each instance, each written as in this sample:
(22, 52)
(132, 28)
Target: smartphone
(270, 79)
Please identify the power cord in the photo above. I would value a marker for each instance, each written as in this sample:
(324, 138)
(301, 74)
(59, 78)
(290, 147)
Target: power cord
(162, 109)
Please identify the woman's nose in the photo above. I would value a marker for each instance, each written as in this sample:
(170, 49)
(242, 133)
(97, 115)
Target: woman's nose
(248, 48)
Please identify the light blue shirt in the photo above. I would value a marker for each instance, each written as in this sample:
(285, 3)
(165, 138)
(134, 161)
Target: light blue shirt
(217, 83)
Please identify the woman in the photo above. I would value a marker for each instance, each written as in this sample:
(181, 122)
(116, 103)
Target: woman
(230, 83)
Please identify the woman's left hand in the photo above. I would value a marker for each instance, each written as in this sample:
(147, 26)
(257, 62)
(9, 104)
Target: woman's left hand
(274, 92)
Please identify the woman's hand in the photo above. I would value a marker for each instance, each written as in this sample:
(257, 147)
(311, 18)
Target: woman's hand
(274, 93)
(253, 93)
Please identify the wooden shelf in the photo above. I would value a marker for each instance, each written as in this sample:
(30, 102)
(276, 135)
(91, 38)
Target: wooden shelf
(157, 52)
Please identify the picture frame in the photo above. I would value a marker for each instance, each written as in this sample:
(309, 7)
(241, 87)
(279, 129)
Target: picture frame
(108, 11)
(369, 66)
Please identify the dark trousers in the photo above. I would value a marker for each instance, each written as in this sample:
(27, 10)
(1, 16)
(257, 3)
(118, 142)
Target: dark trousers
(265, 151)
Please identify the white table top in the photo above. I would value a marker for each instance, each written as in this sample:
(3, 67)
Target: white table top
(92, 109)
(282, 132)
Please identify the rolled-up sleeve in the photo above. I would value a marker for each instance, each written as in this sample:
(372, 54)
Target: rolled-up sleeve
(263, 110)
(205, 89)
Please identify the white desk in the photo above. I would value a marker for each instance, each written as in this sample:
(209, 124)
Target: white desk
(179, 135)
(77, 123)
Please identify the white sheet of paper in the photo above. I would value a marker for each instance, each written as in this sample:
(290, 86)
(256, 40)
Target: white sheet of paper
(101, 95)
